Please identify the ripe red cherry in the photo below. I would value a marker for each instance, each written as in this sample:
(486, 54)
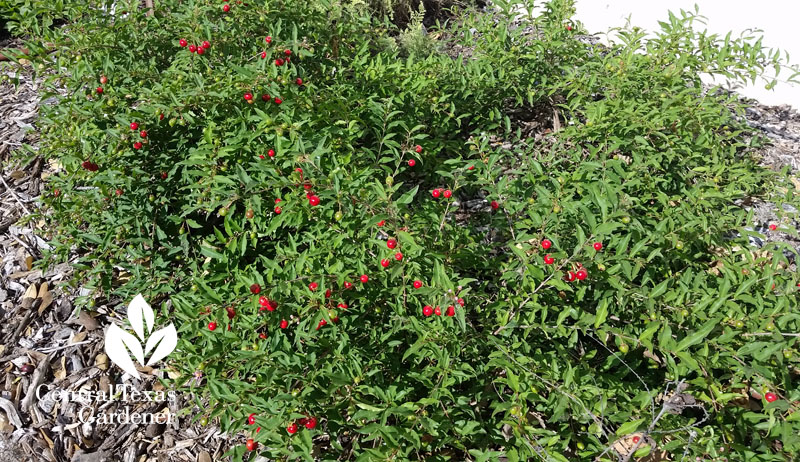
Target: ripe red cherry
(248, 96)
(495, 205)
(288, 52)
(182, 42)
(292, 429)
(391, 243)
(206, 44)
(143, 133)
(200, 50)
(322, 323)
(348, 284)
(226, 8)
(268, 39)
(263, 55)
(263, 301)
(311, 423)
(581, 274)
(398, 256)
(277, 210)
(364, 278)
(161, 116)
(471, 167)
(412, 162)
(313, 286)
(381, 223)
(271, 153)
(163, 175)
(773, 227)
(278, 101)
(99, 90)
(418, 148)
(770, 397)
(385, 263)
(277, 200)
(299, 81)
(251, 445)
(342, 306)
(272, 305)
(437, 311)
(427, 310)
(598, 246)
(460, 301)
(192, 48)
(119, 192)
(447, 194)
(451, 311)
(284, 324)
(137, 145)
(636, 440)
(548, 259)
(313, 200)
(571, 276)
(417, 284)
(251, 419)
(435, 193)
(546, 244)
(134, 126)
(279, 62)
(212, 325)
(255, 288)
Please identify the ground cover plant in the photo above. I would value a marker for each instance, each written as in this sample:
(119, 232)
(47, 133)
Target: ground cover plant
(477, 240)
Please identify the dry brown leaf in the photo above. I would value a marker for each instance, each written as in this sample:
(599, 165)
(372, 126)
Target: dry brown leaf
(46, 296)
(44, 435)
(796, 183)
(86, 320)
(17, 174)
(101, 361)
(30, 292)
(61, 373)
(77, 338)
(29, 262)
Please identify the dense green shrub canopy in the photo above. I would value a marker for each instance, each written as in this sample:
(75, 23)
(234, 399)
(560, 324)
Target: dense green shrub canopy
(538, 146)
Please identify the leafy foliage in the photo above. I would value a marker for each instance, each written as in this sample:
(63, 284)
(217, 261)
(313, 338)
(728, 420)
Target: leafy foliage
(643, 160)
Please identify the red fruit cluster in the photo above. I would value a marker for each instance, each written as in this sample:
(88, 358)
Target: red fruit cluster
(308, 422)
(427, 310)
(91, 166)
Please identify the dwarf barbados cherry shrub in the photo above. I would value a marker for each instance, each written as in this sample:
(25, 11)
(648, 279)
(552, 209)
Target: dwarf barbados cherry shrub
(512, 244)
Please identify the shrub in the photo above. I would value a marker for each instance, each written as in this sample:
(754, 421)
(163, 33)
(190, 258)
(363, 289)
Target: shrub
(556, 349)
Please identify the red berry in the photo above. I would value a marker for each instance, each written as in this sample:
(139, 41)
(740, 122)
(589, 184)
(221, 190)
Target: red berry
(278, 101)
(212, 325)
(272, 305)
(26, 368)
(277, 210)
(248, 96)
(279, 62)
(322, 323)
(435, 193)
(348, 284)
(598, 246)
(569, 28)
(770, 397)
(773, 227)
(143, 133)
(437, 311)
(381, 223)
(364, 278)
(263, 55)
(417, 284)
(342, 306)
(255, 288)
(299, 81)
(288, 52)
(313, 200)
(398, 256)
(460, 301)
(548, 259)
(137, 145)
(581, 274)
(636, 440)
(271, 153)
(161, 116)
(471, 167)
(418, 148)
(546, 244)
(251, 419)
(182, 42)
(200, 50)
(251, 445)
(134, 126)
(284, 324)
(206, 44)
(268, 39)
(292, 429)
(495, 205)
(447, 194)
(313, 286)
(192, 48)
(427, 310)
(391, 243)
(226, 8)
(277, 200)
(119, 192)
(311, 423)
(99, 90)
(328, 293)
(263, 301)
(163, 175)
(385, 263)
(571, 276)
(103, 79)
(412, 162)
(451, 311)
